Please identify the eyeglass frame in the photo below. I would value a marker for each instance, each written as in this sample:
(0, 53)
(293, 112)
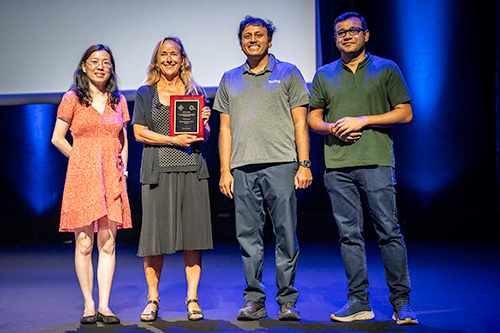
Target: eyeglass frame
(351, 32)
(95, 64)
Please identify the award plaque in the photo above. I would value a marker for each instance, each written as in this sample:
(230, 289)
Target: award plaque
(185, 115)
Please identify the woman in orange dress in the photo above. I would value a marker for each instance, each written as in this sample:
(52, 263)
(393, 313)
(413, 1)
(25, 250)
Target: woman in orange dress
(95, 192)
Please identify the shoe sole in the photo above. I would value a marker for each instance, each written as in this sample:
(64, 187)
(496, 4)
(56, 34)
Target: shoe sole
(362, 315)
(149, 313)
(89, 320)
(406, 321)
(262, 313)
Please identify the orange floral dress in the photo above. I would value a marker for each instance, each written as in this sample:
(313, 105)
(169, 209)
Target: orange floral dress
(95, 183)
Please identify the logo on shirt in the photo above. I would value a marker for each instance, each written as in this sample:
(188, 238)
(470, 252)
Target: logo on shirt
(273, 81)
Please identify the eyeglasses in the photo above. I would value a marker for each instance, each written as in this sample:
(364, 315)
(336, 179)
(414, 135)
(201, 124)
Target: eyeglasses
(95, 64)
(352, 32)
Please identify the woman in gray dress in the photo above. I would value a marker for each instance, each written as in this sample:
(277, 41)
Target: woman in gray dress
(174, 177)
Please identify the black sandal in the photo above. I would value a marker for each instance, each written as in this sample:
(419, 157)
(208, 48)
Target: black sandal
(192, 312)
(151, 312)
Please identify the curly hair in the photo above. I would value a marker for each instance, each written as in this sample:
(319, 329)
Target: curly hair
(251, 20)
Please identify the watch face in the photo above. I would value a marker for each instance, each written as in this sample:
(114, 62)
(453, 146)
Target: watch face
(305, 163)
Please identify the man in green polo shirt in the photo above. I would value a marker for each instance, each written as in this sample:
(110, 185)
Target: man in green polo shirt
(355, 102)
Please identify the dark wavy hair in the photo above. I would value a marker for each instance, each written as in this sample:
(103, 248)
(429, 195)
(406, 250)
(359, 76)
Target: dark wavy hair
(81, 81)
(250, 20)
(345, 16)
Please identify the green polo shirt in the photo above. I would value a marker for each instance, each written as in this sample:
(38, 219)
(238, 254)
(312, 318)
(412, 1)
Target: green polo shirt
(377, 87)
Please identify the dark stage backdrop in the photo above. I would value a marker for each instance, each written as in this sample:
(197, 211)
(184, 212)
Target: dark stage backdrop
(446, 159)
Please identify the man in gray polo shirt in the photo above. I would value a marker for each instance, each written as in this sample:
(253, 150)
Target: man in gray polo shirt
(263, 126)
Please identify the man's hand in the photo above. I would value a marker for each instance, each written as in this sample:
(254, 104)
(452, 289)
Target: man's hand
(348, 129)
(303, 178)
(350, 137)
(226, 184)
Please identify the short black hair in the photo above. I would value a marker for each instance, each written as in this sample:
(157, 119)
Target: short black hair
(347, 15)
(251, 20)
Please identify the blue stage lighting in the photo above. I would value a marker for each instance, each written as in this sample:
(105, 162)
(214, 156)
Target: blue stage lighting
(423, 29)
(31, 171)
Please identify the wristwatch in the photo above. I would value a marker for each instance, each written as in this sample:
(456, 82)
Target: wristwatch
(305, 163)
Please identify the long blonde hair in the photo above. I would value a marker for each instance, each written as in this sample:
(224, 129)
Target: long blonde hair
(153, 73)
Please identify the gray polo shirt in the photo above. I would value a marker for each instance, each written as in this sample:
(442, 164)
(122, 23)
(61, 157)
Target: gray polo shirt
(259, 105)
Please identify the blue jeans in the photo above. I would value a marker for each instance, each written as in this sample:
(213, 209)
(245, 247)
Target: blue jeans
(270, 185)
(374, 185)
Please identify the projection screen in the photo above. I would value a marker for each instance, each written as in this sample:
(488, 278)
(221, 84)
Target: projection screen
(42, 41)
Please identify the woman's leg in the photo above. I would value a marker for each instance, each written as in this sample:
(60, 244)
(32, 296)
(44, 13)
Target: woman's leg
(106, 241)
(152, 269)
(84, 242)
(192, 264)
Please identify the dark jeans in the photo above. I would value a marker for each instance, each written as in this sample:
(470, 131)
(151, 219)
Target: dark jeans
(374, 185)
(271, 185)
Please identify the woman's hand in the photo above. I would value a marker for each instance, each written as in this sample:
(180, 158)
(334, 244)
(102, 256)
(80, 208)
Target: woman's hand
(205, 115)
(184, 140)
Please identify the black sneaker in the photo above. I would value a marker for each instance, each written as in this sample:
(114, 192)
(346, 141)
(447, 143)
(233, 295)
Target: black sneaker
(252, 311)
(288, 311)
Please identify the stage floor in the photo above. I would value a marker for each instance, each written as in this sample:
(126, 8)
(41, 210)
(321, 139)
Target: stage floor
(455, 289)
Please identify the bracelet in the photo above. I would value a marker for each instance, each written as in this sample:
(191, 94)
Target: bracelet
(331, 129)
